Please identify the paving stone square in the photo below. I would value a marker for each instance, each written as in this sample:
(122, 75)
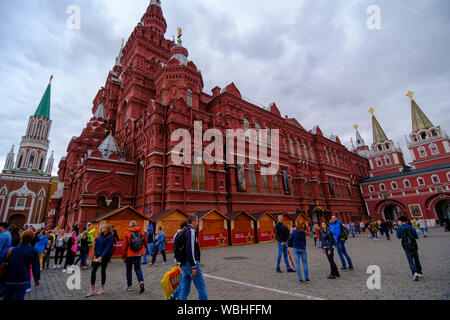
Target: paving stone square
(248, 273)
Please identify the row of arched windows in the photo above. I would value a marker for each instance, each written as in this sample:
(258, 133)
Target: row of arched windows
(38, 129)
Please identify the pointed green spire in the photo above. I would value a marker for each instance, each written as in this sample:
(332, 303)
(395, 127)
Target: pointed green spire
(378, 132)
(419, 119)
(43, 109)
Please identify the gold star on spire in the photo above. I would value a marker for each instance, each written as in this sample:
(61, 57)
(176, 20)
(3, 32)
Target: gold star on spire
(356, 127)
(121, 47)
(372, 112)
(351, 140)
(410, 94)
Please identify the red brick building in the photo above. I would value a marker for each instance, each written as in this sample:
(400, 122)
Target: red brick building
(25, 182)
(421, 190)
(123, 156)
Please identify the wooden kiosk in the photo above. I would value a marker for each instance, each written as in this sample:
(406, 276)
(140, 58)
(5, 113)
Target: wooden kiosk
(213, 229)
(241, 228)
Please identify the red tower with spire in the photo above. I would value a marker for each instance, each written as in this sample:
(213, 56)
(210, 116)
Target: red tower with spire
(124, 155)
(421, 190)
(25, 183)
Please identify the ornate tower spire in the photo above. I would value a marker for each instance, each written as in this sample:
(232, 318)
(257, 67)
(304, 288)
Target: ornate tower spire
(33, 148)
(419, 119)
(9, 164)
(154, 18)
(49, 168)
(378, 132)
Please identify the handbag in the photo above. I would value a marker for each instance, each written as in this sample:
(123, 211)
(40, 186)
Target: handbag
(4, 265)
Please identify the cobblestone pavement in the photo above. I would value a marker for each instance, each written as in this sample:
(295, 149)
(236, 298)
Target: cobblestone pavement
(250, 274)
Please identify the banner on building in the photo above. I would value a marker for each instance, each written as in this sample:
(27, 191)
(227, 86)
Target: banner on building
(286, 184)
(240, 172)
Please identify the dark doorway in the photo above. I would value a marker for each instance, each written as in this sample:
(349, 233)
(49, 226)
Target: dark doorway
(392, 212)
(442, 209)
(18, 220)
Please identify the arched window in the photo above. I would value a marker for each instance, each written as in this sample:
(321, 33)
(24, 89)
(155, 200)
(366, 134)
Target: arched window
(30, 162)
(189, 97)
(312, 153)
(387, 159)
(379, 162)
(406, 183)
(198, 176)
(269, 140)
(308, 193)
(246, 125)
(422, 152)
(434, 149)
(252, 178)
(382, 187)
(257, 127)
(435, 179)
(276, 186)
(420, 181)
(327, 155)
(299, 149)
(291, 145)
(371, 189)
(305, 149)
(265, 184)
(39, 128)
(394, 185)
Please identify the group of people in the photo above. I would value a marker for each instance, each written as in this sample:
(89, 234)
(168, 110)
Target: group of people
(28, 251)
(333, 235)
(329, 236)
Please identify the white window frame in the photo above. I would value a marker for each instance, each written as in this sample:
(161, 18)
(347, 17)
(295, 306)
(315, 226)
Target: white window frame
(387, 160)
(421, 184)
(435, 176)
(406, 181)
(379, 162)
(382, 186)
(393, 183)
(371, 189)
(433, 149)
(18, 207)
(422, 152)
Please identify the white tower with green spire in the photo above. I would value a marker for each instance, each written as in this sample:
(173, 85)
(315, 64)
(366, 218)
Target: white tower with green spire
(429, 144)
(384, 156)
(32, 153)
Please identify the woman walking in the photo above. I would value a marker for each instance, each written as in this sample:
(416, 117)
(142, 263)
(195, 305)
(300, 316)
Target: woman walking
(60, 247)
(102, 255)
(20, 260)
(160, 244)
(71, 251)
(298, 238)
(328, 245)
(84, 250)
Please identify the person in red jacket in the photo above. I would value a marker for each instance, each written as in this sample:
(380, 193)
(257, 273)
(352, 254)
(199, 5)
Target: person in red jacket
(135, 243)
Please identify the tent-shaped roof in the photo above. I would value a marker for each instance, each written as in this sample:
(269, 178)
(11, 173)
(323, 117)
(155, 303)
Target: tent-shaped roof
(233, 215)
(275, 215)
(165, 213)
(203, 214)
(259, 215)
(112, 213)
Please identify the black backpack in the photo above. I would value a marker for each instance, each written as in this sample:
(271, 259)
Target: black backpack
(179, 247)
(136, 240)
(408, 240)
(344, 233)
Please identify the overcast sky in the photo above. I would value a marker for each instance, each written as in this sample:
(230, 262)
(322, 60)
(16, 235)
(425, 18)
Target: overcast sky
(316, 59)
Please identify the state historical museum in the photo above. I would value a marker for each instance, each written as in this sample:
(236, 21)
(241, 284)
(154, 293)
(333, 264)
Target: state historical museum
(123, 155)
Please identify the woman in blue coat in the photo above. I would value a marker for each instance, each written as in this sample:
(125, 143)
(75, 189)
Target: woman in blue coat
(160, 245)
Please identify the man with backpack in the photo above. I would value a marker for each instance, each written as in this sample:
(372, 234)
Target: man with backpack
(134, 243)
(179, 252)
(408, 235)
(189, 260)
(340, 233)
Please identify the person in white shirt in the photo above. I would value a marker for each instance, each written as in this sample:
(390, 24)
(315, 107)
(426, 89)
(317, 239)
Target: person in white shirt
(423, 227)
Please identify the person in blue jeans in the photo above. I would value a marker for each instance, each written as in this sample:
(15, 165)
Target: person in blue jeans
(132, 255)
(191, 269)
(149, 248)
(21, 259)
(298, 238)
(335, 227)
(282, 236)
